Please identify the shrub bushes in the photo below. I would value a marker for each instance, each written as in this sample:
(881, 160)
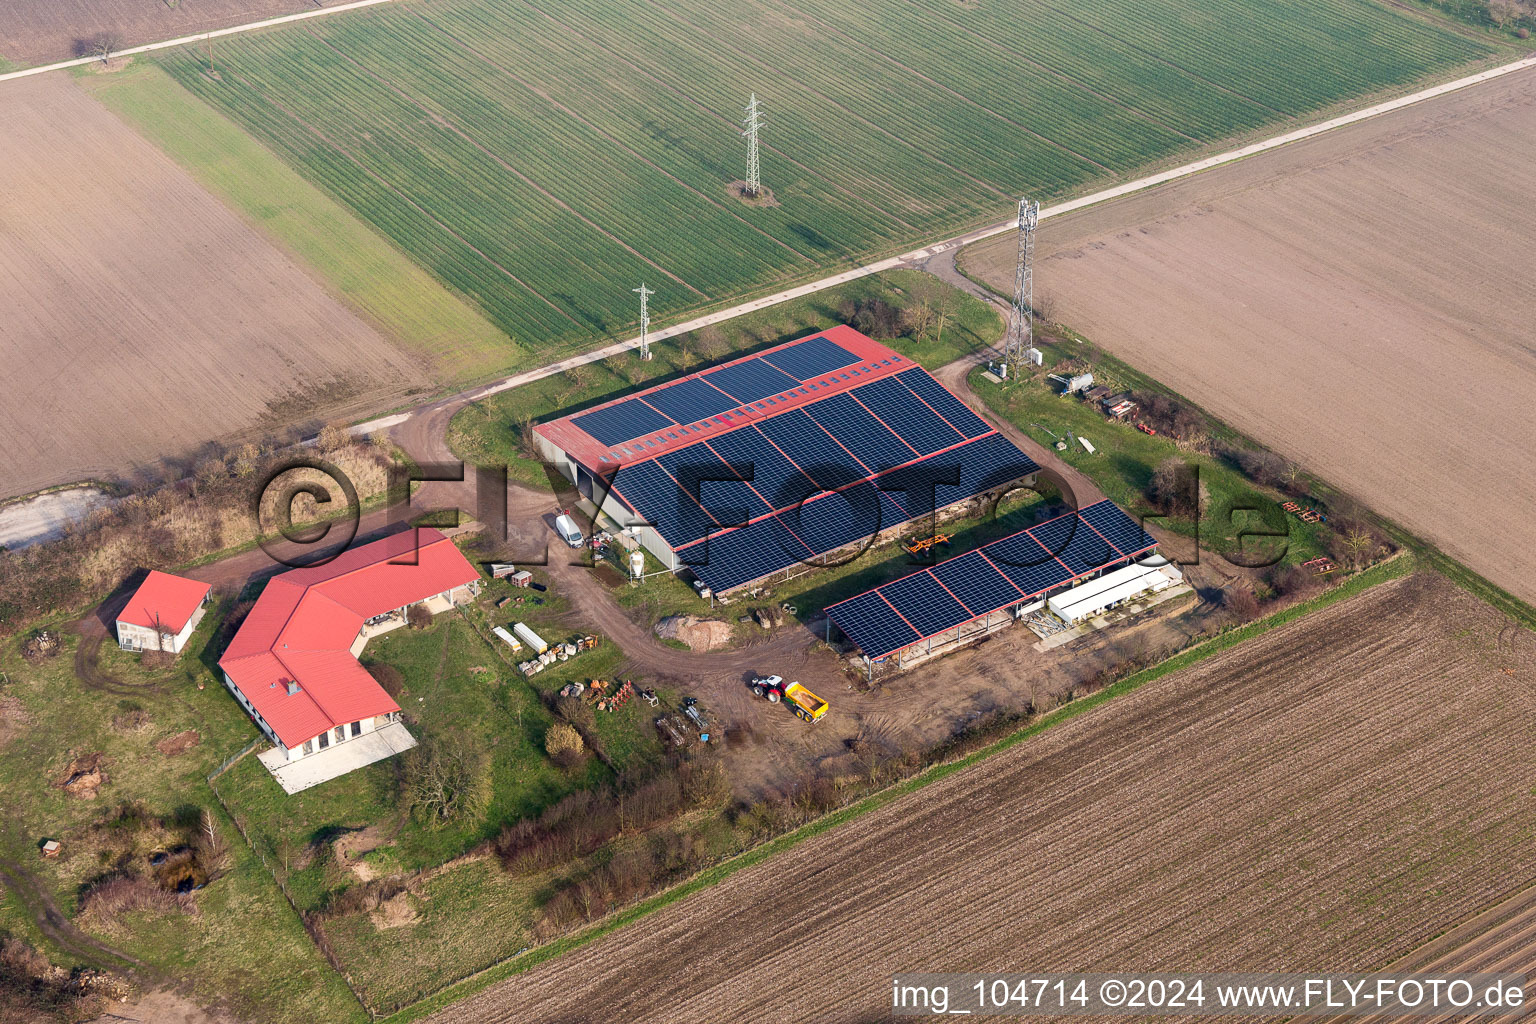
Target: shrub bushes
(564, 745)
(389, 679)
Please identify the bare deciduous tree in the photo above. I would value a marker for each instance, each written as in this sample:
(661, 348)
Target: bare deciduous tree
(102, 45)
(919, 319)
(943, 312)
(1502, 12)
(212, 850)
(247, 459)
(447, 779)
(711, 342)
(1357, 542)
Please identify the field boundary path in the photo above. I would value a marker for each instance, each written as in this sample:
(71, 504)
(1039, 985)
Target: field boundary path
(920, 256)
(215, 33)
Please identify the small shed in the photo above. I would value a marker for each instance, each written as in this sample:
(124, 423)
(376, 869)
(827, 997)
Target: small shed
(162, 614)
(1089, 599)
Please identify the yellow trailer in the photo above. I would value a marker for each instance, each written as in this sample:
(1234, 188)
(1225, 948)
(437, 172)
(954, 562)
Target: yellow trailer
(804, 703)
(800, 700)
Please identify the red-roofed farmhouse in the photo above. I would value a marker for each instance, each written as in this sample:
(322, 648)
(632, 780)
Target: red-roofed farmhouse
(293, 664)
(162, 613)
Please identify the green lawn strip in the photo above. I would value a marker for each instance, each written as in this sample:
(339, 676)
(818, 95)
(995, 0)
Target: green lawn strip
(487, 432)
(1393, 569)
(360, 265)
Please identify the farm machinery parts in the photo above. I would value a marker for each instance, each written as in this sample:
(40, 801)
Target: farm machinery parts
(1060, 442)
(691, 709)
(805, 704)
(1320, 566)
(919, 545)
(680, 729)
(604, 695)
(1306, 515)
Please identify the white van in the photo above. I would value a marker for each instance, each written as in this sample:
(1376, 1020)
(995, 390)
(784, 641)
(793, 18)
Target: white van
(566, 527)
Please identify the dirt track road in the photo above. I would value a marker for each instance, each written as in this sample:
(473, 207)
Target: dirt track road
(1210, 821)
(1359, 302)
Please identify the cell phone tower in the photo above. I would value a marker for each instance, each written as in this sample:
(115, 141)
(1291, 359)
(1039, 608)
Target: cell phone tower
(645, 320)
(752, 122)
(1021, 330)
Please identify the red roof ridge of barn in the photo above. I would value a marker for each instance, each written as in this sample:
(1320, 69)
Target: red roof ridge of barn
(873, 361)
(302, 628)
(164, 602)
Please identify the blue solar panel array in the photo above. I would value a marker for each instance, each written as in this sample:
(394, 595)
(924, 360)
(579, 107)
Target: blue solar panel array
(817, 454)
(770, 473)
(937, 397)
(918, 425)
(1075, 544)
(773, 476)
(924, 603)
(687, 401)
(1027, 564)
(871, 442)
(822, 523)
(879, 626)
(829, 521)
(621, 422)
(986, 463)
(751, 381)
(812, 358)
(998, 575)
(1118, 528)
(927, 425)
(701, 398)
(648, 490)
(730, 559)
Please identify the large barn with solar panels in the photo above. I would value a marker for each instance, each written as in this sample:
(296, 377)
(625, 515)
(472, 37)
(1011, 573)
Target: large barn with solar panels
(770, 462)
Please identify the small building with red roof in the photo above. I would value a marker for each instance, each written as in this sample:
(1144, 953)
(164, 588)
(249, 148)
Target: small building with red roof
(162, 613)
(293, 663)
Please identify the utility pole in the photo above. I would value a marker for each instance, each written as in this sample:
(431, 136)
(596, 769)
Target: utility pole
(645, 320)
(1021, 330)
(752, 122)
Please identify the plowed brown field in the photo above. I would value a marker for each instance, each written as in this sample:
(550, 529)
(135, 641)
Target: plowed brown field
(141, 317)
(1329, 795)
(1359, 302)
(42, 31)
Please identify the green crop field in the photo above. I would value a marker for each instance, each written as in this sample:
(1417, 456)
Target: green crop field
(542, 157)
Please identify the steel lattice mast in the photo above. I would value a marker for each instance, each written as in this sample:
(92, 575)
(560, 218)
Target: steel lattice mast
(1021, 331)
(645, 320)
(752, 122)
